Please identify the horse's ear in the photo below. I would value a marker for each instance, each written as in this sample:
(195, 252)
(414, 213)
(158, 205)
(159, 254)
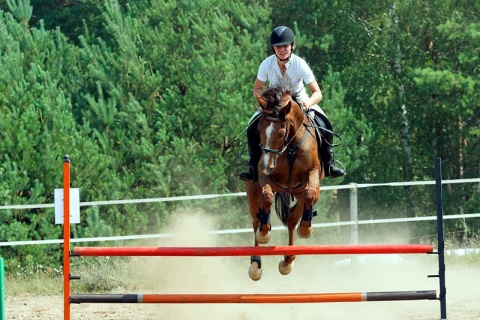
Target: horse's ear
(285, 109)
(261, 101)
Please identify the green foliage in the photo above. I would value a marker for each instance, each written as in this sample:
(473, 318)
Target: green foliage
(147, 98)
(145, 102)
(21, 9)
(411, 74)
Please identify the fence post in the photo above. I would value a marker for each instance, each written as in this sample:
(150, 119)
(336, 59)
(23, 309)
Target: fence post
(2, 289)
(441, 240)
(353, 213)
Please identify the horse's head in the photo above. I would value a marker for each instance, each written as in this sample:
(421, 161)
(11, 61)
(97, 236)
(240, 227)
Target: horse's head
(276, 110)
(281, 118)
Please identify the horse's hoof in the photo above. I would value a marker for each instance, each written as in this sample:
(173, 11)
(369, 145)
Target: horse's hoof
(262, 239)
(284, 268)
(304, 232)
(254, 271)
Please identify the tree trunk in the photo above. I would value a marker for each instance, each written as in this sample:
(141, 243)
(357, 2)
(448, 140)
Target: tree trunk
(404, 127)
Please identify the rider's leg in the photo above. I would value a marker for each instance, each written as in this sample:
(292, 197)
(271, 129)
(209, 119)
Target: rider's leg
(326, 151)
(253, 138)
(328, 159)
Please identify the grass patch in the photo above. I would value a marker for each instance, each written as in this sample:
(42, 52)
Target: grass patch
(97, 275)
(102, 275)
(38, 284)
(467, 253)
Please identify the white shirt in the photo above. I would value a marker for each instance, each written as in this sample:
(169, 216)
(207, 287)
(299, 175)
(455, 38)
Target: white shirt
(298, 72)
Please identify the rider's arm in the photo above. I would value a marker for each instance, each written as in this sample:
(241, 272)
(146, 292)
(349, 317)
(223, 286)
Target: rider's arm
(258, 88)
(316, 95)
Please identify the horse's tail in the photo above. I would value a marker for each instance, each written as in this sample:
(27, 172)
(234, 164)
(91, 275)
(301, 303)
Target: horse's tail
(282, 206)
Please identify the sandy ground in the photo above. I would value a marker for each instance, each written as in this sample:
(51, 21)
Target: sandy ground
(311, 274)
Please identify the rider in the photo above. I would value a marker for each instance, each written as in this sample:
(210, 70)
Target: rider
(273, 69)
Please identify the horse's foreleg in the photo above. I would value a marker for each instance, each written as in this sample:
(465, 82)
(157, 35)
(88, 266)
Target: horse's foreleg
(305, 228)
(311, 195)
(263, 232)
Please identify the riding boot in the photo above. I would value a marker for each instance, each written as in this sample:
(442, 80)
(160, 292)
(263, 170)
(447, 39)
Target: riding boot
(253, 139)
(251, 174)
(328, 160)
(326, 148)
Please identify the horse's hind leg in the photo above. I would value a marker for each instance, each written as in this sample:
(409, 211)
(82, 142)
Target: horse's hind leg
(285, 265)
(254, 203)
(255, 270)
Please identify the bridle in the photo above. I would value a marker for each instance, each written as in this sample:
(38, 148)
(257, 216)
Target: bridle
(286, 142)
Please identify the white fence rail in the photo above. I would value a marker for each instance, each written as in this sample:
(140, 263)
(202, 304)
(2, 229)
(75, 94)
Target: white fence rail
(353, 212)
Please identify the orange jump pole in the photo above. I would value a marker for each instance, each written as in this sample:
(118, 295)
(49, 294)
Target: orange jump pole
(250, 251)
(255, 298)
(66, 237)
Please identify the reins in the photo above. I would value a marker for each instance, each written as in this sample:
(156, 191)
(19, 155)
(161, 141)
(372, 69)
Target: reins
(321, 129)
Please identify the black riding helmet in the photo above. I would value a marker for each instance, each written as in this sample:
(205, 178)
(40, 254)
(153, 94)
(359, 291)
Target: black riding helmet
(282, 36)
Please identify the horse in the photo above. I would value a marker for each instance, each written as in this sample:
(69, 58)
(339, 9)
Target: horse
(290, 167)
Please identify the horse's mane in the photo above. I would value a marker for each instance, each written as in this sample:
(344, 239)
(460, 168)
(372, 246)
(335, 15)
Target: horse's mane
(274, 92)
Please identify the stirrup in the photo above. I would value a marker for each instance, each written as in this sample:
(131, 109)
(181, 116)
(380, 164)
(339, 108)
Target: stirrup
(335, 172)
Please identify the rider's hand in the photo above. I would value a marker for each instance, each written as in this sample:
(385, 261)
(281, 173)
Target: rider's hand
(304, 105)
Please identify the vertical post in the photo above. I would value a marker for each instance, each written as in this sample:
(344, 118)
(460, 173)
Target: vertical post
(2, 289)
(354, 213)
(441, 240)
(66, 237)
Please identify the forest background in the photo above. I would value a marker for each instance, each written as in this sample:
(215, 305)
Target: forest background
(150, 99)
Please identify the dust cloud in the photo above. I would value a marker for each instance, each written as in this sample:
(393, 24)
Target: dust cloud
(311, 274)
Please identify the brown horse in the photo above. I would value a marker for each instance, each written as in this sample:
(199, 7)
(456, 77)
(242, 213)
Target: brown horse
(289, 167)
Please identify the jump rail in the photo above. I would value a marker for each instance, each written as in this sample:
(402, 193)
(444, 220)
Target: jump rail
(247, 251)
(250, 251)
(255, 298)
